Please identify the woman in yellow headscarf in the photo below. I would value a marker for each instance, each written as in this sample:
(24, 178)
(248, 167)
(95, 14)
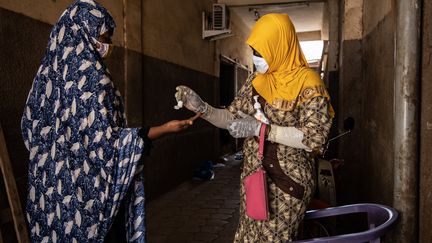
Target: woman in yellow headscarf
(292, 99)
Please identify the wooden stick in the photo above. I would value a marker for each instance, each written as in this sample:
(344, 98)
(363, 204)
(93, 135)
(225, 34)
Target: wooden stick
(12, 192)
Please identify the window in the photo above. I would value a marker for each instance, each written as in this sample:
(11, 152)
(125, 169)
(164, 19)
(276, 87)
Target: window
(312, 51)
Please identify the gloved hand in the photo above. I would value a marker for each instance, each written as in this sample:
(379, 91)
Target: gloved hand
(191, 100)
(244, 127)
(289, 136)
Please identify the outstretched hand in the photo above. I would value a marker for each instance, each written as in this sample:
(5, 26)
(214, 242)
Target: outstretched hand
(180, 125)
(171, 126)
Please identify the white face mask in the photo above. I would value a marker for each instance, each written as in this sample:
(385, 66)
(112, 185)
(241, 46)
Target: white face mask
(105, 49)
(260, 64)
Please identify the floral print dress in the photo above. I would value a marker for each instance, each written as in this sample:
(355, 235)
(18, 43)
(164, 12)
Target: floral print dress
(83, 160)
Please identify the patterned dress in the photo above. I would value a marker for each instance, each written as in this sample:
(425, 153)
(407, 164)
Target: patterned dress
(83, 160)
(291, 171)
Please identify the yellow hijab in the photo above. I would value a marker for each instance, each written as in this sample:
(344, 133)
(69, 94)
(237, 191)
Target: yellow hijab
(288, 81)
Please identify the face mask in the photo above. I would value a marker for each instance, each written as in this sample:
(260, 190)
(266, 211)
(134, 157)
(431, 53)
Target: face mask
(105, 49)
(260, 64)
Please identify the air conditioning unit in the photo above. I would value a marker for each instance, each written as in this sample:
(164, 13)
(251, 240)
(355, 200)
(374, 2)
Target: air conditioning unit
(219, 17)
(215, 25)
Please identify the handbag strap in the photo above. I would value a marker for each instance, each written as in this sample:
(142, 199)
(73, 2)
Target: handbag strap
(261, 141)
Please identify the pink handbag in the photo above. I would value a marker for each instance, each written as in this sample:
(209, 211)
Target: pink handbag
(256, 187)
(256, 195)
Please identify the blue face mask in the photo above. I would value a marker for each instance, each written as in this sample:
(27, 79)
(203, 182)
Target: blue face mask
(260, 64)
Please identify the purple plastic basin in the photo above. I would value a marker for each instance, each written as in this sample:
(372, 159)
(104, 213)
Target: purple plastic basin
(380, 218)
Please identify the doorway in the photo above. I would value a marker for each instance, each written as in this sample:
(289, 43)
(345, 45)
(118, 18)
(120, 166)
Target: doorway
(226, 95)
(231, 78)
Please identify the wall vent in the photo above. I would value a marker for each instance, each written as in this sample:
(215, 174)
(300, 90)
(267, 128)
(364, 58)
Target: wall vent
(215, 24)
(219, 17)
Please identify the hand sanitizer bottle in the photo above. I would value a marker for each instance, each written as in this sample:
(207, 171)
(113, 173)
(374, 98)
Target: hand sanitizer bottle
(259, 114)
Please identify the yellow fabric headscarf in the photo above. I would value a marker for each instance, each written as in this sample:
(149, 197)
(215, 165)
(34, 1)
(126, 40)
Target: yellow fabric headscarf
(288, 81)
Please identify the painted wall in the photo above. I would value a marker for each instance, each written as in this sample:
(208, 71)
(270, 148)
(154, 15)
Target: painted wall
(174, 53)
(49, 12)
(235, 47)
(172, 32)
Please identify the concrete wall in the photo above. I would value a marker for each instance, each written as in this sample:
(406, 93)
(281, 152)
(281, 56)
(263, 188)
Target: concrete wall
(19, 60)
(375, 12)
(174, 157)
(158, 46)
(127, 36)
(172, 32)
(351, 96)
(235, 47)
(309, 36)
(369, 99)
(331, 33)
(378, 61)
(49, 12)
(174, 53)
(426, 128)
(352, 28)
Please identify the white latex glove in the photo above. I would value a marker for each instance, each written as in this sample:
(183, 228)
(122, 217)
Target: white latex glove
(244, 127)
(289, 136)
(185, 96)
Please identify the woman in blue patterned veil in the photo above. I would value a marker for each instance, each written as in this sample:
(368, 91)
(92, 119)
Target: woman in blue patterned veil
(83, 160)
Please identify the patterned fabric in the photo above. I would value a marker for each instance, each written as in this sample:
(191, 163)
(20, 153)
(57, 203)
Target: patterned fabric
(83, 161)
(286, 209)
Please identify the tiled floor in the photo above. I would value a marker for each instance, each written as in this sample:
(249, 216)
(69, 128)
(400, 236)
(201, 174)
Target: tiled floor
(197, 211)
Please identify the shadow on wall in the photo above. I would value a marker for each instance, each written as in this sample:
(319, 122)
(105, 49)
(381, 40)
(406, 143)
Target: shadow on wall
(23, 42)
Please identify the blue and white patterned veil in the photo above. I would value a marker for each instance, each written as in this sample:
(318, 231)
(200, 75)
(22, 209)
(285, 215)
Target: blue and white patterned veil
(83, 160)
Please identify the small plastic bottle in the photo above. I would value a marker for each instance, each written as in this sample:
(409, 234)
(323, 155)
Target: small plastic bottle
(259, 114)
